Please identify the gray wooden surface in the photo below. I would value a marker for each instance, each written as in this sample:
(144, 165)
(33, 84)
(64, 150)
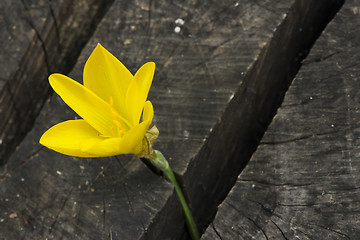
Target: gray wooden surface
(37, 38)
(303, 180)
(219, 79)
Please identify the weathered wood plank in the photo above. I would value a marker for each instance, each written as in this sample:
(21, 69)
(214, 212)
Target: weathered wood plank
(303, 180)
(37, 38)
(200, 66)
(197, 73)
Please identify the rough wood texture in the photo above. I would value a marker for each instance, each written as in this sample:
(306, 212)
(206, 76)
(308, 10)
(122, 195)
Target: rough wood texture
(196, 76)
(199, 71)
(303, 180)
(37, 38)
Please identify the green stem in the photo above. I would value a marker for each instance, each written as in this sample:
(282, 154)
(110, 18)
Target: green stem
(158, 160)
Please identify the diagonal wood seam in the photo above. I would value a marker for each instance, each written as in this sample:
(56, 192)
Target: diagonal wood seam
(49, 41)
(235, 138)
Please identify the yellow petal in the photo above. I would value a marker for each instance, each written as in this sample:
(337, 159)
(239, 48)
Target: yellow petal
(129, 143)
(85, 103)
(107, 77)
(148, 112)
(138, 91)
(105, 148)
(136, 134)
(67, 137)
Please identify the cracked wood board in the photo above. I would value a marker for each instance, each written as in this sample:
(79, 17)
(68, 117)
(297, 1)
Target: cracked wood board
(37, 38)
(303, 180)
(199, 69)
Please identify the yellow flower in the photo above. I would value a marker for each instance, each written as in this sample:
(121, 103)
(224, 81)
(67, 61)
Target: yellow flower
(112, 104)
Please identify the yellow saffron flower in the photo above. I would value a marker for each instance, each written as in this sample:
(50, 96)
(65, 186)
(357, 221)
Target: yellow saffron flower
(113, 107)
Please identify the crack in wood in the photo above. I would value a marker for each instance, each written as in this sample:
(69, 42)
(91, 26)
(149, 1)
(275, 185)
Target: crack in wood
(266, 209)
(104, 213)
(7, 172)
(299, 205)
(39, 37)
(60, 210)
(216, 232)
(19, 109)
(331, 230)
(304, 137)
(307, 235)
(56, 26)
(265, 7)
(266, 73)
(131, 207)
(215, 143)
(281, 231)
(248, 218)
(276, 184)
(100, 174)
(319, 59)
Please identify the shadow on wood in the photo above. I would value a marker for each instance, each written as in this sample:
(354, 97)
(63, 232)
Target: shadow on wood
(302, 182)
(39, 38)
(213, 101)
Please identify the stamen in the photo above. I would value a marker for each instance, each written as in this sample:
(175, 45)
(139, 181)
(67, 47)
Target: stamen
(119, 119)
(114, 113)
(111, 102)
(121, 131)
(104, 136)
(116, 122)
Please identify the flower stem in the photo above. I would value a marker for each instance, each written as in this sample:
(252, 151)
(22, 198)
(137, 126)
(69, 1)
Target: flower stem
(188, 216)
(158, 160)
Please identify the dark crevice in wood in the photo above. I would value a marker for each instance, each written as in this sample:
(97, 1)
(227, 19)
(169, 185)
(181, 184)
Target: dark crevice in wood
(214, 170)
(308, 61)
(53, 16)
(38, 35)
(155, 170)
(331, 230)
(7, 172)
(277, 184)
(104, 214)
(216, 231)
(281, 231)
(52, 48)
(158, 172)
(100, 174)
(235, 138)
(307, 235)
(250, 219)
(60, 210)
(255, 104)
(298, 205)
(131, 207)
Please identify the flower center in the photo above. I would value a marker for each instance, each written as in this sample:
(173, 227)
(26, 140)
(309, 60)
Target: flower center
(121, 124)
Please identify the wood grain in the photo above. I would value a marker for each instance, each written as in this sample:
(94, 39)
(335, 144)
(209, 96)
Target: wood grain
(302, 182)
(195, 78)
(219, 79)
(38, 38)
